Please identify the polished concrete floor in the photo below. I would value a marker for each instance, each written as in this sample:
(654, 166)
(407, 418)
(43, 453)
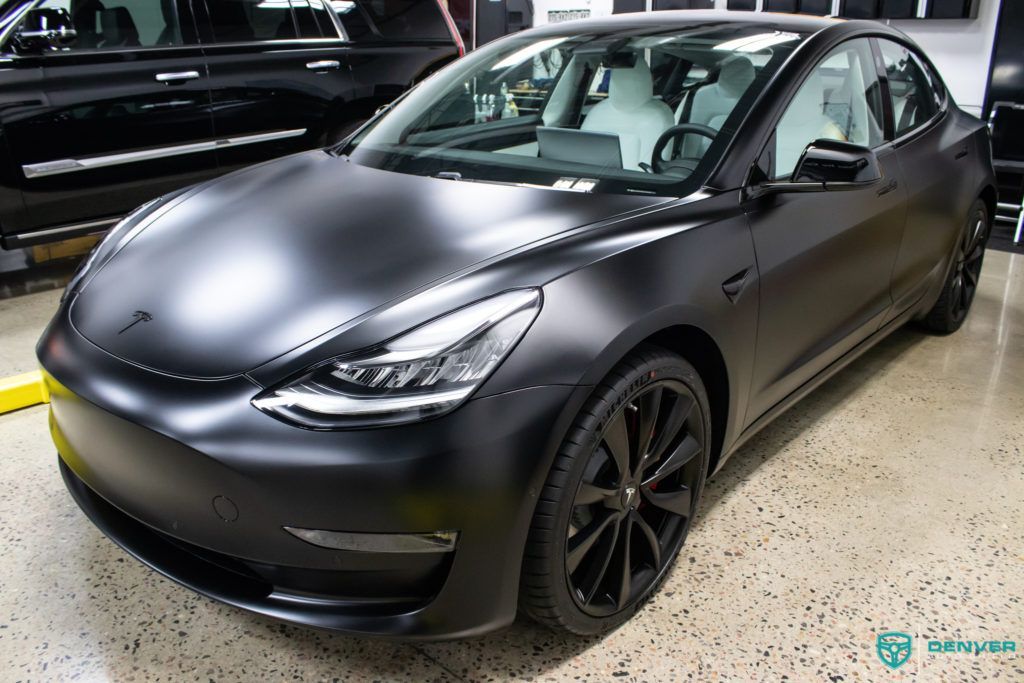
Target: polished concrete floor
(890, 499)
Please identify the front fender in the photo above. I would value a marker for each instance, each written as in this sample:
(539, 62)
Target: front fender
(593, 316)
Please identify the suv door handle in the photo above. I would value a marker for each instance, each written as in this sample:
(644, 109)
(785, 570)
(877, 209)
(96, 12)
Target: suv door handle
(177, 76)
(323, 64)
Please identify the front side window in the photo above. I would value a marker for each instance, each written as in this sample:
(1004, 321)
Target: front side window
(119, 24)
(840, 100)
(916, 93)
(582, 112)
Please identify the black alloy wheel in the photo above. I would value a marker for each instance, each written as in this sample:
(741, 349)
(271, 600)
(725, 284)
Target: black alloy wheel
(967, 269)
(635, 498)
(620, 497)
(958, 293)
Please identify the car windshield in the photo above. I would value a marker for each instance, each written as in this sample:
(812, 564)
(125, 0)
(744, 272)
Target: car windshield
(582, 112)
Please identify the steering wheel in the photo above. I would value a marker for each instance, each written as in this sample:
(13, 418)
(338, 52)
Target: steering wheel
(686, 164)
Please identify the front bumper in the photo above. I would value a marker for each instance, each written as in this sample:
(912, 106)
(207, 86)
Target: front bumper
(191, 479)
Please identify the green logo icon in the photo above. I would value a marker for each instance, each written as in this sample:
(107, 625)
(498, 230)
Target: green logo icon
(893, 648)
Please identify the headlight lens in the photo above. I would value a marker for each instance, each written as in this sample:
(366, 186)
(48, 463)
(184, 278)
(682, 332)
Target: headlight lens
(423, 373)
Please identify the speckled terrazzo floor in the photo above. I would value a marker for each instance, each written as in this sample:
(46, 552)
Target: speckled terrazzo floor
(890, 499)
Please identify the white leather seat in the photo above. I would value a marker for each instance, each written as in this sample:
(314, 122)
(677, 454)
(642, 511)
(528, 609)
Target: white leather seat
(803, 123)
(847, 106)
(713, 103)
(631, 112)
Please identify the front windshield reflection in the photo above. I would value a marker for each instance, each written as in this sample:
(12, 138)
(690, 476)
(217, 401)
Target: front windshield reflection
(628, 113)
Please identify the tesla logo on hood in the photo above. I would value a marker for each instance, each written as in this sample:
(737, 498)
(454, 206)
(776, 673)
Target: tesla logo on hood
(137, 317)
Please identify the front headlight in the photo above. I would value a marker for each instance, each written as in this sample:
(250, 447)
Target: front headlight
(423, 373)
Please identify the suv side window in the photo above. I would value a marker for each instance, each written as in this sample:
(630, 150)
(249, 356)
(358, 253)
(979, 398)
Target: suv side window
(240, 21)
(354, 20)
(312, 19)
(119, 24)
(394, 19)
(840, 100)
(917, 95)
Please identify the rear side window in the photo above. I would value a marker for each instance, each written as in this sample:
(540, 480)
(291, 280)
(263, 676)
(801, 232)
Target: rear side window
(354, 20)
(917, 95)
(235, 21)
(392, 19)
(312, 19)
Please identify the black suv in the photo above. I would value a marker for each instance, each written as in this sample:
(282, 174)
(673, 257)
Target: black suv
(106, 104)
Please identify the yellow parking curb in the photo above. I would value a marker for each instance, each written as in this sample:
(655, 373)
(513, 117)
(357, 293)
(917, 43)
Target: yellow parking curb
(22, 391)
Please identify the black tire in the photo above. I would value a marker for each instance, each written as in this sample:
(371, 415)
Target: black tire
(650, 387)
(961, 285)
(342, 131)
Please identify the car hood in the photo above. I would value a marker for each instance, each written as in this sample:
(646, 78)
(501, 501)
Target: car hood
(252, 265)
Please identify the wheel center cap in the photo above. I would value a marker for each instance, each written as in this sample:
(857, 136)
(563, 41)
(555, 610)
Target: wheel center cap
(628, 496)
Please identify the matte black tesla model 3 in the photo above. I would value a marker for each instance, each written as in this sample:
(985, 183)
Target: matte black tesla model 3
(486, 352)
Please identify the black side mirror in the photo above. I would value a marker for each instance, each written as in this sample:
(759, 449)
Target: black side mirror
(829, 165)
(43, 30)
(830, 162)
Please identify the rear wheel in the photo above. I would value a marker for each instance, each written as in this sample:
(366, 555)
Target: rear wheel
(620, 497)
(954, 303)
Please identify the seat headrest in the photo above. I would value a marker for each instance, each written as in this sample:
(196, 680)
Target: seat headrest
(118, 28)
(736, 76)
(631, 88)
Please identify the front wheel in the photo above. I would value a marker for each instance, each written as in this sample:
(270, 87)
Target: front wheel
(961, 285)
(620, 496)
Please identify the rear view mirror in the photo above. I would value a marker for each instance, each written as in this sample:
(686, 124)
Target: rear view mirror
(829, 165)
(45, 29)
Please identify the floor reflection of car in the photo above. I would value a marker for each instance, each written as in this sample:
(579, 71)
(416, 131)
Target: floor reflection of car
(106, 104)
(484, 355)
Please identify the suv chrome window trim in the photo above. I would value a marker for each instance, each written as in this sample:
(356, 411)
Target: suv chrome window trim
(339, 29)
(272, 41)
(62, 166)
(338, 26)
